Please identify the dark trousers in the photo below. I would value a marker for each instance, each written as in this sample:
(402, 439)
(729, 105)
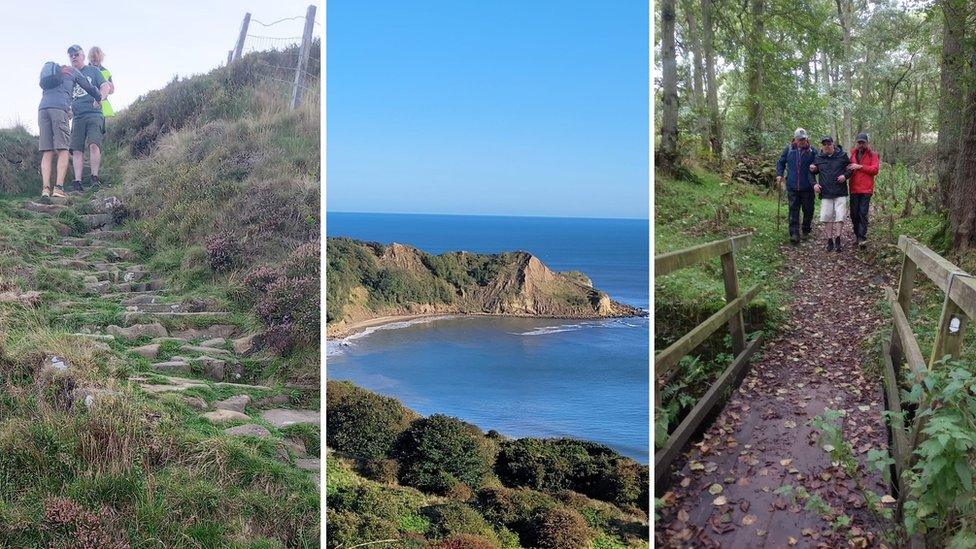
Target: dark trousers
(860, 204)
(800, 200)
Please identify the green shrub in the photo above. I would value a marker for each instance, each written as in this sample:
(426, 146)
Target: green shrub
(454, 518)
(380, 470)
(560, 528)
(466, 541)
(512, 507)
(362, 423)
(437, 449)
(566, 464)
(345, 528)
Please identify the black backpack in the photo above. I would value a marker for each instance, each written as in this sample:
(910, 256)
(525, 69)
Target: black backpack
(50, 75)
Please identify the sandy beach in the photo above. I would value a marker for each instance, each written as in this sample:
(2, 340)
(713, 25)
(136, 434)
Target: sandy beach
(356, 327)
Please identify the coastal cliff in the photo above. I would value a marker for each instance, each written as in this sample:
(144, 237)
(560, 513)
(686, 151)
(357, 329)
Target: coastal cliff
(367, 280)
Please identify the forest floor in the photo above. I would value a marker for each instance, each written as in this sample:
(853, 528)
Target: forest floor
(762, 475)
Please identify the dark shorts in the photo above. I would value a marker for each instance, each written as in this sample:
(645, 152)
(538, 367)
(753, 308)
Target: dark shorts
(52, 125)
(87, 130)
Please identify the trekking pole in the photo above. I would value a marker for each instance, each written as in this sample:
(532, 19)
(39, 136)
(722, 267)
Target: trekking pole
(779, 204)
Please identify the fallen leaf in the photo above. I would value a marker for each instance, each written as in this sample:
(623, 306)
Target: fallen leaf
(683, 515)
(715, 489)
(887, 498)
(749, 520)
(785, 462)
(696, 466)
(791, 541)
(789, 424)
(685, 482)
(719, 501)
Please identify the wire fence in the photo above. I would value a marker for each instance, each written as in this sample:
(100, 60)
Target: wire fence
(293, 38)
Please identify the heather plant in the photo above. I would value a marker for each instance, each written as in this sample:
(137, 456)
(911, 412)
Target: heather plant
(223, 251)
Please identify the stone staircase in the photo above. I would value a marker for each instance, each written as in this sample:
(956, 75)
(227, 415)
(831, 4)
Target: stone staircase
(189, 344)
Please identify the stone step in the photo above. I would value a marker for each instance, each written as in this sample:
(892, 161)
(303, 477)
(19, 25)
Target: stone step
(46, 209)
(138, 330)
(283, 417)
(172, 367)
(179, 307)
(176, 380)
(133, 317)
(113, 255)
(115, 236)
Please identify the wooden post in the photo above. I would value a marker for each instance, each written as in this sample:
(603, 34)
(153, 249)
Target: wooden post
(948, 338)
(239, 48)
(731, 279)
(303, 52)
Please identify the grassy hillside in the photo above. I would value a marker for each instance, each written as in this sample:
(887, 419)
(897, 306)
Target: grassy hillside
(120, 346)
(439, 482)
(19, 162)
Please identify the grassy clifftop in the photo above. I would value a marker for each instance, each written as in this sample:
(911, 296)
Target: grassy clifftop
(369, 280)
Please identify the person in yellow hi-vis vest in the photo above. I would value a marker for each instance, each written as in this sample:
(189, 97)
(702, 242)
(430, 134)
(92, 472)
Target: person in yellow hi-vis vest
(95, 57)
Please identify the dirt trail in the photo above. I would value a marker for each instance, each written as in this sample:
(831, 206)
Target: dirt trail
(764, 439)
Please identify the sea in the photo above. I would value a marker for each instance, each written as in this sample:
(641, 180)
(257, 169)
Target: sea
(585, 379)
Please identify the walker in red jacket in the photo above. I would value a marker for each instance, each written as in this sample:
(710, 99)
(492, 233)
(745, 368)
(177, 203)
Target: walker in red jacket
(864, 163)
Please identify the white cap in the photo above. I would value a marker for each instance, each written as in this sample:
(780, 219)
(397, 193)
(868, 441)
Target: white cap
(800, 133)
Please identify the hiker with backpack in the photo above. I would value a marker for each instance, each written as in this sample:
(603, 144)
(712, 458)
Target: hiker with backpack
(865, 164)
(57, 84)
(87, 121)
(794, 164)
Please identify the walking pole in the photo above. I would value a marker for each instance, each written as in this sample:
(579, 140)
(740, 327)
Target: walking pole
(779, 205)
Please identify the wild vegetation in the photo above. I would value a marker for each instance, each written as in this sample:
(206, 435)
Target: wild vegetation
(141, 374)
(735, 83)
(438, 481)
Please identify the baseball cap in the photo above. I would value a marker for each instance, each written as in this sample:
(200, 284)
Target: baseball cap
(862, 137)
(73, 49)
(800, 133)
(826, 139)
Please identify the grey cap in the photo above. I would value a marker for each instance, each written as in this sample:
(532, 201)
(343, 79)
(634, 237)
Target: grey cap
(800, 133)
(862, 137)
(75, 48)
(826, 139)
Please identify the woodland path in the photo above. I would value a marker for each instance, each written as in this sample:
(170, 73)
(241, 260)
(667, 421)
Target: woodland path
(763, 439)
(187, 342)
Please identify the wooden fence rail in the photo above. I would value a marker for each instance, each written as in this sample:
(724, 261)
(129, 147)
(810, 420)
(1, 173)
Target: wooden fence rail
(730, 315)
(902, 351)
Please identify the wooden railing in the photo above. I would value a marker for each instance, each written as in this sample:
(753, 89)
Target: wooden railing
(959, 305)
(666, 361)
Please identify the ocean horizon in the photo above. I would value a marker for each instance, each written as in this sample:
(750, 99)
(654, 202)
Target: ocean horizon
(540, 377)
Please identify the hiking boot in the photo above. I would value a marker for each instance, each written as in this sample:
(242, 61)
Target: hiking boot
(45, 192)
(837, 246)
(58, 192)
(862, 243)
(74, 186)
(94, 182)
(805, 237)
(794, 239)
(830, 244)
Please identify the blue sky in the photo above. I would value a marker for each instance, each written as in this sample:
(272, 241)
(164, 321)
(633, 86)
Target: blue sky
(499, 107)
(146, 43)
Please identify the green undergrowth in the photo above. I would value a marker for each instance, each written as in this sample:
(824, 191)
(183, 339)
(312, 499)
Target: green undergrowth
(439, 482)
(688, 213)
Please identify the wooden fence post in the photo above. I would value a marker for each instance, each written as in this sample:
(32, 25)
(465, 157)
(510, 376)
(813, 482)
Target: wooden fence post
(239, 48)
(737, 327)
(906, 283)
(952, 326)
(303, 52)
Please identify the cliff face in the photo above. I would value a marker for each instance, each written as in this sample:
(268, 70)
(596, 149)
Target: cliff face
(396, 279)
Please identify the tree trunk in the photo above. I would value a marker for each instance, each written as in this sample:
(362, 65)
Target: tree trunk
(962, 217)
(669, 117)
(696, 71)
(714, 116)
(845, 16)
(953, 66)
(754, 70)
